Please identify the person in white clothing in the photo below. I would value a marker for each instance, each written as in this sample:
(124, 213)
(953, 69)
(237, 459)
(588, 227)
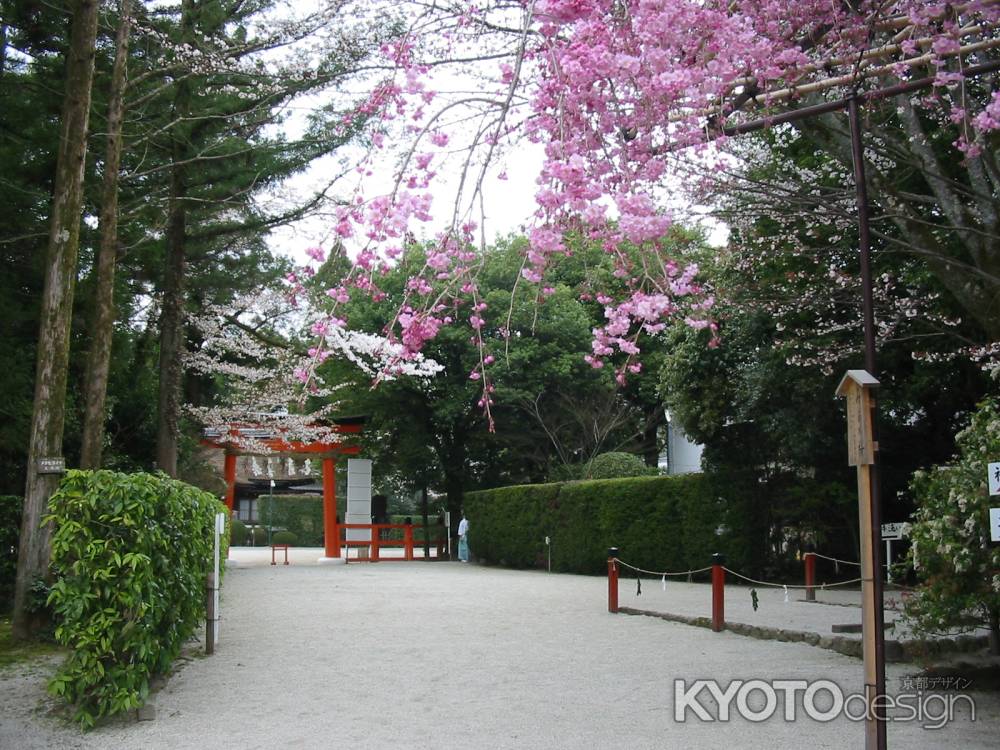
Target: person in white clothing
(463, 539)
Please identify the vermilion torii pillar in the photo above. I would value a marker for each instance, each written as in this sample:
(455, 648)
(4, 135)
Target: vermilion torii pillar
(331, 530)
(229, 473)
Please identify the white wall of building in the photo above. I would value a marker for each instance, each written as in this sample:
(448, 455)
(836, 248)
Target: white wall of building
(683, 456)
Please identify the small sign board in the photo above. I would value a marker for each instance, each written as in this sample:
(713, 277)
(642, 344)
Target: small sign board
(994, 478)
(894, 530)
(995, 524)
(53, 465)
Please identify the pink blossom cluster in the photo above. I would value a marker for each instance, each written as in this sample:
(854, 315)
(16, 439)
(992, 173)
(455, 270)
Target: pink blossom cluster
(614, 89)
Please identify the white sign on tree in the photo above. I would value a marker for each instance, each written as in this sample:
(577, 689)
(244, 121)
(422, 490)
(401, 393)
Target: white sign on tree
(994, 478)
(995, 524)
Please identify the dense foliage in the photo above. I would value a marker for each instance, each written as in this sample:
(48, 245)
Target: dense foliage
(130, 556)
(553, 412)
(209, 85)
(10, 529)
(958, 567)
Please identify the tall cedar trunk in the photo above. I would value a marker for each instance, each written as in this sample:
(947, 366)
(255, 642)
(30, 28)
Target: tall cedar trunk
(172, 330)
(56, 314)
(172, 313)
(102, 326)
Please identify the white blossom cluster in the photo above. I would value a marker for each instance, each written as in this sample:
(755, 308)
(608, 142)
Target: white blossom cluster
(247, 347)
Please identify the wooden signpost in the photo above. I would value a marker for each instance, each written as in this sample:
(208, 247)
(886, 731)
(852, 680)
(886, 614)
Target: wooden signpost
(856, 387)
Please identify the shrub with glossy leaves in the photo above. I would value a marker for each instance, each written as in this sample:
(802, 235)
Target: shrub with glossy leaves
(131, 553)
(951, 552)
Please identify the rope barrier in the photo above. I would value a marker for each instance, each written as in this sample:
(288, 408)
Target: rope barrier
(789, 586)
(835, 559)
(667, 574)
(659, 573)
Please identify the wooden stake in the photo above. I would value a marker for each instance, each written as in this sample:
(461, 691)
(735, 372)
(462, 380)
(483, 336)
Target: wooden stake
(856, 387)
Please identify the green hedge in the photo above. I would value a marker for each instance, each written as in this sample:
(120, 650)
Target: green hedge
(658, 523)
(300, 514)
(131, 553)
(617, 465)
(10, 532)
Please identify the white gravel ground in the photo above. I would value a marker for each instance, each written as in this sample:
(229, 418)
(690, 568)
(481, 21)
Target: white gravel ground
(432, 655)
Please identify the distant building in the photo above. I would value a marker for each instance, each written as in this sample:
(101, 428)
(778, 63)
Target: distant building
(681, 455)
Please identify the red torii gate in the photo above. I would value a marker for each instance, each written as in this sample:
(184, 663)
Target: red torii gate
(328, 452)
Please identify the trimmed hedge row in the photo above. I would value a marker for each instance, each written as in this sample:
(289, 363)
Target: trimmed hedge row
(131, 553)
(300, 514)
(10, 533)
(658, 523)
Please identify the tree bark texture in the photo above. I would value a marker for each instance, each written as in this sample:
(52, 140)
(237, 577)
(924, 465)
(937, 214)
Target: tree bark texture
(102, 326)
(56, 313)
(172, 331)
(172, 310)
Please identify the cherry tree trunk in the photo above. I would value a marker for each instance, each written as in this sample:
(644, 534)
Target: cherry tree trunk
(56, 313)
(102, 325)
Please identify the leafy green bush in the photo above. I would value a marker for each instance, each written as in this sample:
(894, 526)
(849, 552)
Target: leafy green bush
(257, 536)
(131, 553)
(617, 465)
(958, 567)
(10, 532)
(283, 537)
(237, 533)
(658, 523)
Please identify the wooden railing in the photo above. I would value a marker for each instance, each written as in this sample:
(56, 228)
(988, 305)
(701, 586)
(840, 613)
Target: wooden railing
(377, 542)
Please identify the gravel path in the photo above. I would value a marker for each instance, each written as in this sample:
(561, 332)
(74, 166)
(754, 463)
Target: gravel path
(426, 655)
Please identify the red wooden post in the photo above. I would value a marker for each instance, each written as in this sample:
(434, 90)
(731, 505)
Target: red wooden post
(810, 561)
(376, 530)
(718, 593)
(613, 580)
(229, 471)
(408, 541)
(331, 531)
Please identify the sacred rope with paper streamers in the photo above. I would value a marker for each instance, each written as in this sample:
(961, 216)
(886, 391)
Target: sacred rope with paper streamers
(754, 598)
(790, 585)
(661, 573)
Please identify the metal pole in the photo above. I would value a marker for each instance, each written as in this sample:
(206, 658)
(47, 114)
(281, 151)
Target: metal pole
(874, 643)
(270, 511)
